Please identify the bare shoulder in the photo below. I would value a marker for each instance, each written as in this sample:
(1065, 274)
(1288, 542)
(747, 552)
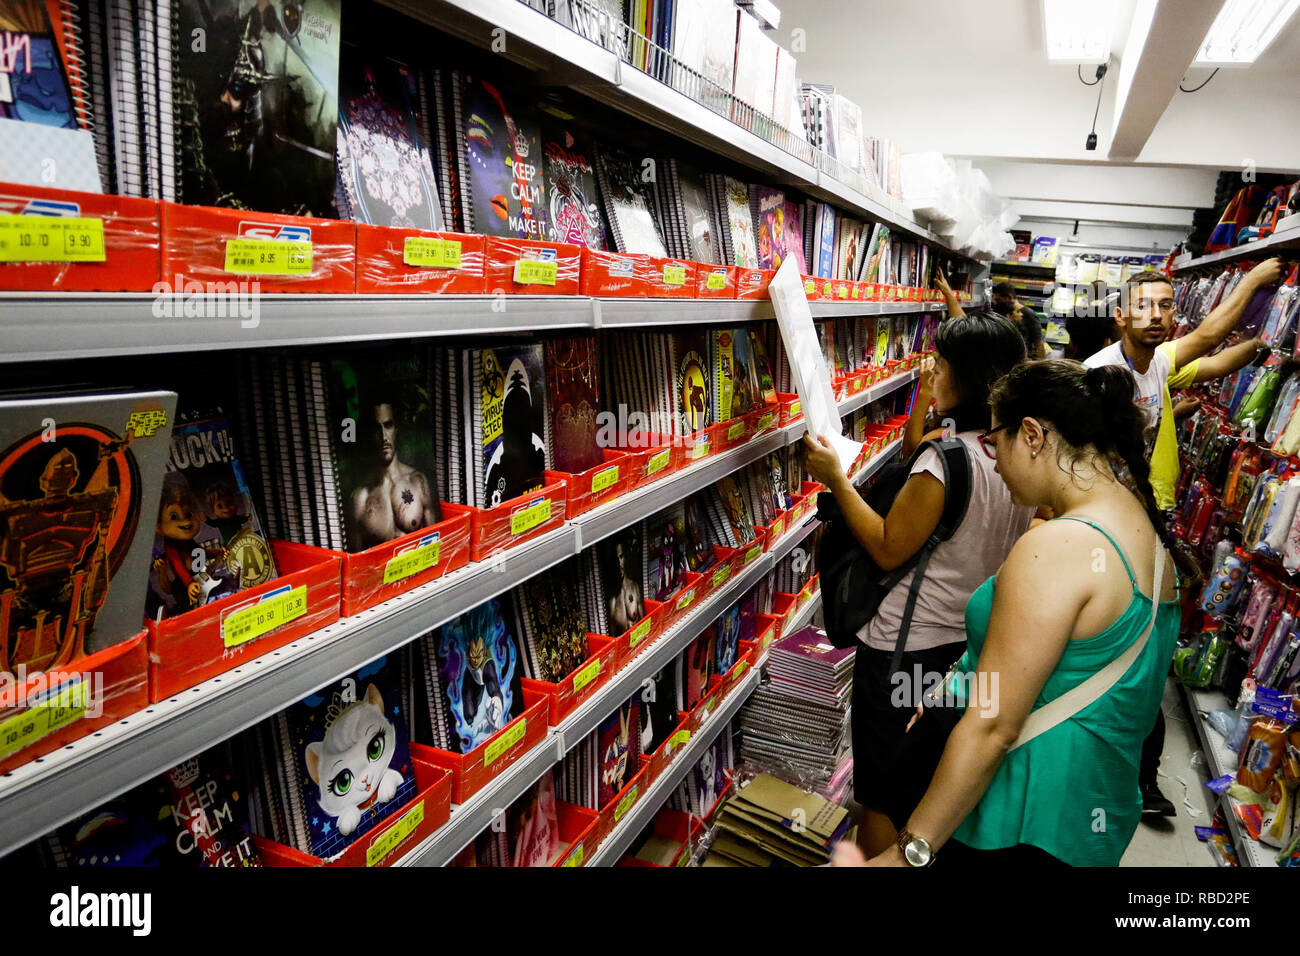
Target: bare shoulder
(1059, 551)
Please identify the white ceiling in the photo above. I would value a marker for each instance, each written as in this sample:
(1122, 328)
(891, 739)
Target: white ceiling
(972, 78)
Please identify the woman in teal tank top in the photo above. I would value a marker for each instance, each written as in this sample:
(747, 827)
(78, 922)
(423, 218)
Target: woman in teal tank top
(1074, 594)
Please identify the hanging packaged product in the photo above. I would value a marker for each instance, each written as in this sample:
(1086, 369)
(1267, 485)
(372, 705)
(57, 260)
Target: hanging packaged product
(1283, 408)
(1263, 592)
(1281, 515)
(1223, 585)
(63, 241)
(1262, 755)
(1257, 405)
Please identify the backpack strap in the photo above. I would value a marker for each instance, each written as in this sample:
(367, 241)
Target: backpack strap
(955, 460)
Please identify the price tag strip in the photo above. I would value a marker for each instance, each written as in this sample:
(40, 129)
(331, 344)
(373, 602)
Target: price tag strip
(424, 251)
(51, 239)
(421, 557)
(530, 516)
(383, 846)
(536, 272)
(269, 257)
(271, 610)
(55, 709)
(504, 742)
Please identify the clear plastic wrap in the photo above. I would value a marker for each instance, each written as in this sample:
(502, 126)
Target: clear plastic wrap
(518, 520)
(377, 574)
(606, 656)
(386, 843)
(218, 247)
(529, 267)
(392, 260)
(210, 640)
(669, 278)
(612, 274)
(595, 486)
(132, 241)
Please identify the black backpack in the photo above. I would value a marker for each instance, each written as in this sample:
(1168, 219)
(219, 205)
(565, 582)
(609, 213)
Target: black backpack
(852, 584)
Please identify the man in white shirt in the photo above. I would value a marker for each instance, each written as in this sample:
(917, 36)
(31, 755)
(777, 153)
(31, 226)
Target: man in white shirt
(1146, 315)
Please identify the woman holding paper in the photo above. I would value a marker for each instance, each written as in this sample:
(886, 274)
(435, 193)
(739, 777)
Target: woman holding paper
(891, 771)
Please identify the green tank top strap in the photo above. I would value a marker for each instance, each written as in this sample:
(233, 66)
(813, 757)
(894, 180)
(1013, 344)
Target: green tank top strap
(1118, 550)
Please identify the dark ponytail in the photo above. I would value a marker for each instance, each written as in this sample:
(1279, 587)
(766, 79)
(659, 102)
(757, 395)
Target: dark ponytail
(1091, 407)
(979, 347)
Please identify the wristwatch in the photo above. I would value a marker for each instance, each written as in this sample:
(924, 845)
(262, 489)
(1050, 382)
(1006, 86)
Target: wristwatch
(916, 850)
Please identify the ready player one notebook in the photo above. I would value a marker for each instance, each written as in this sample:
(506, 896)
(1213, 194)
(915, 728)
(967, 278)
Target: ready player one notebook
(80, 477)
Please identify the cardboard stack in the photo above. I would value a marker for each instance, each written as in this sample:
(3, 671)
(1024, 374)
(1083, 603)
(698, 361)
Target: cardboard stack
(771, 823)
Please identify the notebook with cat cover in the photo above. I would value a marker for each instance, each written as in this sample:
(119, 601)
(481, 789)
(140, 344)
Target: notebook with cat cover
(619, 747)
(507, 425)
(80, 480)
(502, 143)
(573, 200)
(208, 541)
(627, 204)
(262, 91)
(346, 756)
(573, 402)
(384, 463)
(481, 673)
(619, 559)
(383, 157)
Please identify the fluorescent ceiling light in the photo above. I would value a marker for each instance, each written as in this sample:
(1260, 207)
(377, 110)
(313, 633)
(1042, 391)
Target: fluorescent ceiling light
(1079, 31)
(1243, 30)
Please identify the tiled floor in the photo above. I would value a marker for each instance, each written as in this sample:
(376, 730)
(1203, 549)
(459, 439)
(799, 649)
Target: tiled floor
(1183, 772)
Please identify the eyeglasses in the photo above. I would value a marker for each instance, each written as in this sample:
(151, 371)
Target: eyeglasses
(990, 444)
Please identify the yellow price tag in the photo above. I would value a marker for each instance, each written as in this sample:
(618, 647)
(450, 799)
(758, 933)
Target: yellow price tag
(625, 804)
(658, 461)
(680, 737)
(856, 293)
(59, 708)
(575, 857)
(828, 289)
(268, 257)
(586, 675)
(51, 239)
(700, 449)
(736, 430)
(740, 669)
(392, 838)
(716, 281)
(419, 558)
(640, 633)
(603, 479)
(431, 253)
(526, 519)
(766, 421)
(721, 574)
(504, 742)
(777, 527)
(674, 275)
(856, 386)
(250, 623)
(796, 409)
(753, 552)
(685, 600)
(809, 286)
(536, 272)
(841, 292)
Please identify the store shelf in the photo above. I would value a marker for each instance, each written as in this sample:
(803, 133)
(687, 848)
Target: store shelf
(49, 790)
(563, 57)
(45, 326)
(791, 540)
(1282, 240)
(667, 646)
(878, 462)
(1034, 268)
(639, 817)
(877, 392)
(804, 616)
(1221, 760)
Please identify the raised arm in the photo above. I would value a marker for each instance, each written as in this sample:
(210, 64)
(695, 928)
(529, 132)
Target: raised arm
(890, 539)
(949, 297)
(1220, 322)
(915, 432)
(1227, 361)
